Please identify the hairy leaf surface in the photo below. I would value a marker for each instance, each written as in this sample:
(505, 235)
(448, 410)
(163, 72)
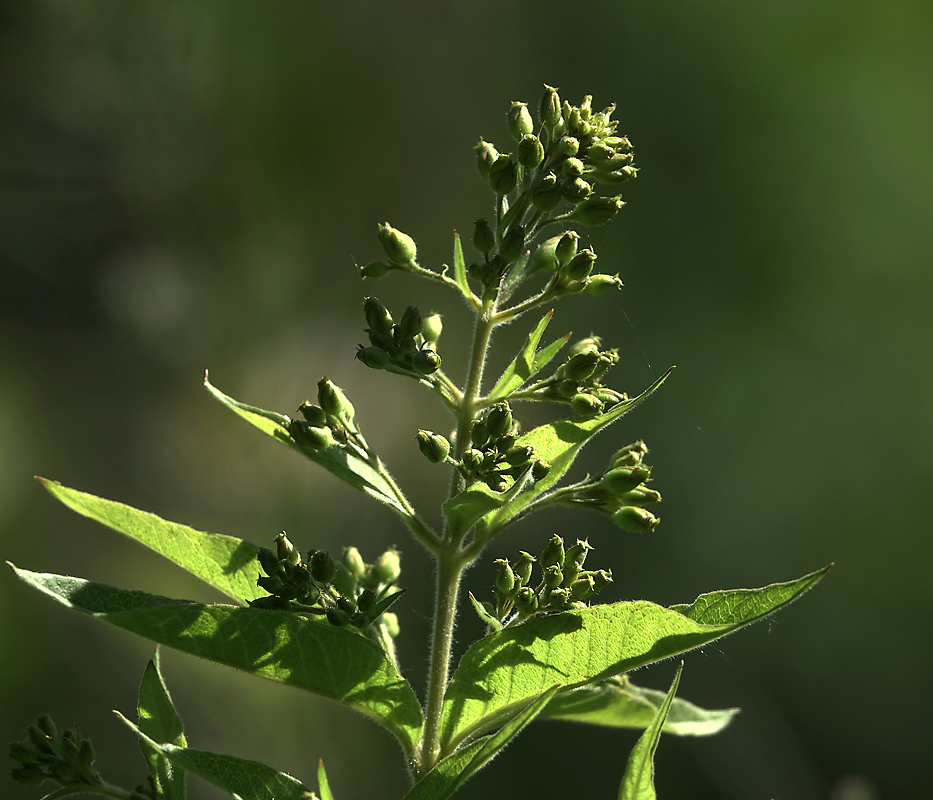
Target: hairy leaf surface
(337, 663)
(248, 780)
(225, 562)
(347, 466)
(576, 648)
(159, 722)
(638, 781)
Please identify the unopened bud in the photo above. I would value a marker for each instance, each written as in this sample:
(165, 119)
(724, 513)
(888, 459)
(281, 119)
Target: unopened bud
(334, 402)
(495, 482)
(309, 436)
(502, 175)
(47, 725)
(549, 112)
(553, 577)
(322, 566)
(484, 240)
(587, 345)
(472, 460)
(411, 323)
(513, 244)
(596, 210)
(518, 455)
(601, 284)
(398, 246)
(640, 496)
(576, 190)
(574, 559)
(520, 122)
(546, 195)
(376, 269)
(285, 550)
(505, 580)
(354, 563)
(572, 168)
(486, 155)
(499, 420)
(581, 266)
(553, 553)
(425, 361)
(388, 567)
(526, 602)
(432, 327)
(630, 454)
(579, 367)
(586, 405)
(479, 432)
(313, 414)
(530, 151)
(635, 520)
(566, 247)
(539, 470)
(373, 357)
(434, 447)
(378, 318)
(620, 480)
(523, 566)
(268, 561)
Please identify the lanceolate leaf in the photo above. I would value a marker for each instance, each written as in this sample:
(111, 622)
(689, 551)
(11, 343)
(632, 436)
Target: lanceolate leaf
(528, 362)
(464, 509)
(558, 443)
(638, 782)
(455, 770)
(159, 722)
(323, 785)
(575, 648)
(620, 704)
(337, 663)
(248, 780)
(225, 562)
(460, 275)
(352, 469)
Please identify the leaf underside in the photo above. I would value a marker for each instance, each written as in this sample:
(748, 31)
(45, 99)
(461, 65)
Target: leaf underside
(337, 663)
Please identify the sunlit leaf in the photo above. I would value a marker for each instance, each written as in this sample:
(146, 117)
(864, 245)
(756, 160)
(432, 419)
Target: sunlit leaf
(503, 670)
(528, 362)
(225, 562)
(337, 663)
(460, 275)
(323, 785)
(159, 722)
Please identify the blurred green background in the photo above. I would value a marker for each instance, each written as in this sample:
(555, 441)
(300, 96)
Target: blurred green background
(187, 185)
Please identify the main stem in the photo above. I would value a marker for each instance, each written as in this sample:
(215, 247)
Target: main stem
(450, 560)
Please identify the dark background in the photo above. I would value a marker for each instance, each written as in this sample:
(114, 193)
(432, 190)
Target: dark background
(188, 185)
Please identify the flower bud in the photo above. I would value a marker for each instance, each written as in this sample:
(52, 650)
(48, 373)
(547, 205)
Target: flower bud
(587, 345)
(530, 151)
(583, 587)
(499, 420)
(486, 155)
(601, 579)
(388, 566)
(354, 563)
(313, 414)
(581, 266)
(378, 318)
(321, 566)
(545, 255)
(553, 552)
(334, 402)
(310, 436)
(411, 323)
(549, 112)
(580, 366)
(545, 196)
(513, 244)
(376, 269)
(640, 496)
(484, 240)
(268, 561)
(337, 617)
(567, 147)
(596, 210)
(539, 470)
(572, 168)
(373, 357)
(433, 446)
(389, 624)
(553, 576)
(620, 480)
(520, 122)
(495, 482)
(635, 520)
(432, 327)
(630, 454)
(425, 361)
(479, 432)
(503, 175)
(586, 405)
(601, 284)
(31, 775)
(599, 154)
(518, 455)
(285, 550)
(398, 246)
(557, 598)
(574, 559)
(526, 602)
(47, 725)
(505, 580)
(575, 190)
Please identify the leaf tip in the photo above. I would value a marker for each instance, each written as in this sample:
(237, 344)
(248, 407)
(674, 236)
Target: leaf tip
(207, 380)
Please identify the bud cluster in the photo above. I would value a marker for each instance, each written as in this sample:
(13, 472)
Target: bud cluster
(44, 755)
(579, 379)
(494, 454)
(408, 344)
(621, 491)
(564, 583)
(347, 593)
(329, 423)
(572, 268)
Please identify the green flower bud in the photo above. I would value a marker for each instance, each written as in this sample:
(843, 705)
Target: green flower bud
(520, 122)
(549, 112)
(479, 432)
(411, 323)
(557, 598)
(399, 247)
(513, 244)
(432, 327)
(567, 147)
(354, 563)
(630, 454)
(495, 482)
(566, 247)
(599, 154)
(484, 240)
(530, 151)
(620, 144)
(546, 194)
(433, 446)
(586, 405)
(24, 753)
(376, 269)
(334, 402)
(337, 617)
(574, 559)
(425, 361)
(620, 480)
(503, 175)
(321, 566)
(486, 155)
(635, 520)
(618, 162)
(373, 357)
(607, 360)
(581, 266)
(553, 576)
(47, 725)
(285, 550)
(307, 435)
(601, 284)
(526, 602)
(523, 566)
(505, 580)
(472, 460)
(601, 579)
(406, 344)
(583, 587)
(587, 345)
(576, 190)
(539, 470)
(388, 566)
(499, 420)
(31, 775)
(553, 553)
(579, 367)
(572, 168)
(377, 316)
(389, 624)
(313, 414)
(596, 210)
(609, 398)
(268, 561)
(518, 455)
(639, 496)
(568, 389)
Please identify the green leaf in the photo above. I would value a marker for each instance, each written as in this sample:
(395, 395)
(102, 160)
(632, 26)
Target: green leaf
(337, 663)
(159, 722)
(575, 648)
(323, 784)
(528, 362)
(343, 463)
(620, 704)
(558, 443)
(463, 510)
(460, 275)
(484, 615)
(225, 562)
(638, 782)
(455, 770)
(248, 780)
